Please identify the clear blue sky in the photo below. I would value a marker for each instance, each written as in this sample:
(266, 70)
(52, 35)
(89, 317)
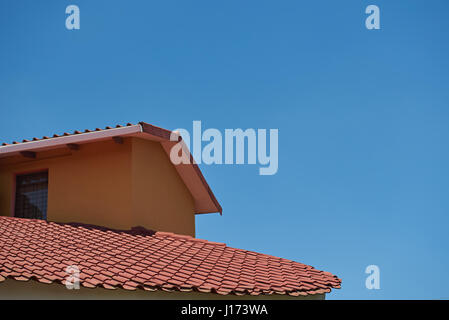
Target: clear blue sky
(363, 116)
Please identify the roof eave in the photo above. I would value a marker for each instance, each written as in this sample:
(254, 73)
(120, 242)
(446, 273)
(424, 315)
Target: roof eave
(205, 201)
(61, 141)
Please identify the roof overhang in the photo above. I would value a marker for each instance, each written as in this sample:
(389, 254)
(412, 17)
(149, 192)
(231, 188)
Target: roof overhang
(205, 201)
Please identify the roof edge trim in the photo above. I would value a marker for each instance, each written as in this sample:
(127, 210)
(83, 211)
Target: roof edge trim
(72, 138)
(165, 135)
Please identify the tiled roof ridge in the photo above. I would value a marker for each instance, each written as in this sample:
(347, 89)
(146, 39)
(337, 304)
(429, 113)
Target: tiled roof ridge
(144, 232)
(75, 132)
(136, 231)
(40, 250)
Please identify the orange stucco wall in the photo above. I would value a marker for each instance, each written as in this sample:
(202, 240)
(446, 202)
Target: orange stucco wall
(108, 184)
(159, 196)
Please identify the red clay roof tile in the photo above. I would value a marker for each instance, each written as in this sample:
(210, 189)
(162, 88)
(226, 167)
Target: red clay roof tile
(40, 250)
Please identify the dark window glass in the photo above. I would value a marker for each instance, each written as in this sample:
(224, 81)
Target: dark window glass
(31, 196)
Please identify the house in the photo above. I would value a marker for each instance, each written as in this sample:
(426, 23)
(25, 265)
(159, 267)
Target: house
(108, 206)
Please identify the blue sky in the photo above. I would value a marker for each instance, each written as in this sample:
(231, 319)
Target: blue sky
(362, 116)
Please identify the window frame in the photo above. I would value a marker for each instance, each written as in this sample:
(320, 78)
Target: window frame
(14, 188)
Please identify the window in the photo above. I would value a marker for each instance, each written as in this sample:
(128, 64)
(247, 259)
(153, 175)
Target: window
(31, 196)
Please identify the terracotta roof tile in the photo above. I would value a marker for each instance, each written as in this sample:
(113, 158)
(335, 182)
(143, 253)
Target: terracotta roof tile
(142, 259)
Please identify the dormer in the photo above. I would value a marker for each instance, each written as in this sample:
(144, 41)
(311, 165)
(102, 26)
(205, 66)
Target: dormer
(114, 177)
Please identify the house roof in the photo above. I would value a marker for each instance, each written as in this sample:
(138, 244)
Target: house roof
(205, 201)
(145, 260)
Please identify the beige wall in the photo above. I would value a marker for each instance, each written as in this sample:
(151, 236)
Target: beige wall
(13, 289)
(108, 184)
(160, 198)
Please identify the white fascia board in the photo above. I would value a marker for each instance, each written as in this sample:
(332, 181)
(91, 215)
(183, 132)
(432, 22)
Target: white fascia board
(79, 138)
